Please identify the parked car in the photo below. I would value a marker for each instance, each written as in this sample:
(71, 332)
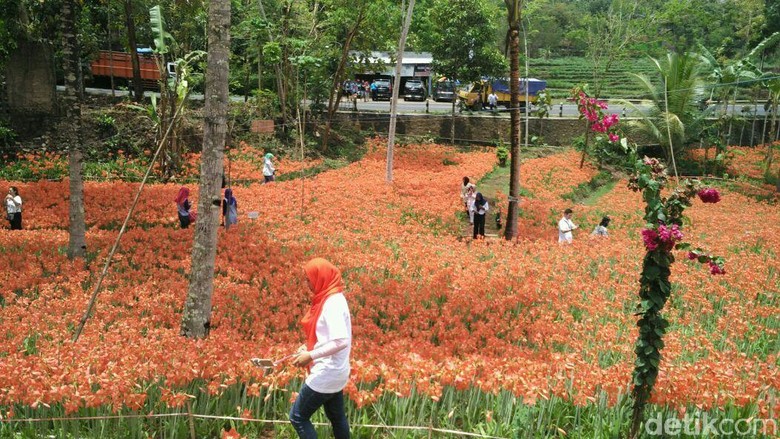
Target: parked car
(444, 91)
(414, 89)
(381, 89)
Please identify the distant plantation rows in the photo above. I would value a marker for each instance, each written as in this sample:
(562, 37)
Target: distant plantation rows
(562, 74)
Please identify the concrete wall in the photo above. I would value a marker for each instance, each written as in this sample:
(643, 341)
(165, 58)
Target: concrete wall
(31, 97)
(488, 129)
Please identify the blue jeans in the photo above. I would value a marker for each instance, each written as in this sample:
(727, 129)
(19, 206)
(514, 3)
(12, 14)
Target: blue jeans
(308, 402)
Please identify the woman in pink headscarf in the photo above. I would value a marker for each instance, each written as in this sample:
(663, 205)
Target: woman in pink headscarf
(183, 207)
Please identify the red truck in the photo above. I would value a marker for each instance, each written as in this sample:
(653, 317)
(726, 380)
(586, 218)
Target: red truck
(120, 65)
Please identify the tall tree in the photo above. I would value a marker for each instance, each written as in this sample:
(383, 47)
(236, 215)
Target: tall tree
(394, 99)
(138, 86)
(70, 129)
(355, 16)
(514, 17)
(197, 308)
(610, 36)
(462, 43)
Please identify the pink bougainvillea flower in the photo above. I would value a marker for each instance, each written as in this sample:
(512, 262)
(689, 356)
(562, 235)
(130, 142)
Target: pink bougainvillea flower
(709, 195)
(613, 137)
(610, 120)
(716, 269)
(649, 236)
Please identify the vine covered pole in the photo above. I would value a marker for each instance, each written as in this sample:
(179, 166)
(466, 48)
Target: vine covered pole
(662, 234)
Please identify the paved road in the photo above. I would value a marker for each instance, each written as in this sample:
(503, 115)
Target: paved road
(560, 109)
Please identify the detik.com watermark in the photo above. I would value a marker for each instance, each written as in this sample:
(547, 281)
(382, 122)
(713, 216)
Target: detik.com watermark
(704, 424)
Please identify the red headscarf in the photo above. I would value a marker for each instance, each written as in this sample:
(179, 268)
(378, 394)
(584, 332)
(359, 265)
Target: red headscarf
(184, 193)
(326, 281)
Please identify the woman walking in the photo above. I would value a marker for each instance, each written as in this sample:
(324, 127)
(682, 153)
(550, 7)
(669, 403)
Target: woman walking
(268, 168)
(183, 208)
(13, 208)
(328, 330)
(229, 209)
(481, 208)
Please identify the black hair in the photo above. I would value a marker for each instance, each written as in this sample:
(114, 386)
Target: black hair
(567, 211)
(465, 181)
(605, 221)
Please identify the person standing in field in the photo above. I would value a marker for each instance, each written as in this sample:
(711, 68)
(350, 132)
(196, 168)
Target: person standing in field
(481, 208)
(268, 168)
(565, 227)
(229, 209)
(13, 208)
(471, 198)
(328, 329)
(464, 190)
(183, 208)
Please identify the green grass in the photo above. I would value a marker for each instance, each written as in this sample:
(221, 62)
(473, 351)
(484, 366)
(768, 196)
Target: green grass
(470, 410)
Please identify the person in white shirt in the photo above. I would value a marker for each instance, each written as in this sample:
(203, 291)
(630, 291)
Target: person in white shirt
(471, 199)
(493, 100)
(13, 208)
(463, 191)
(601, 229)
(268, 168)
(481, 208)
(565, 227)
(328, 330)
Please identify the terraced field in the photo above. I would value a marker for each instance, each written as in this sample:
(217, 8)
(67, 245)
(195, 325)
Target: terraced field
(562, 74)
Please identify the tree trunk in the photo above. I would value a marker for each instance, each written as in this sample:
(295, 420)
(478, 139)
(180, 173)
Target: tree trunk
(138, 85)
(70, 130)
(334, 95)
(197, 308)
(280, 84)
(510, 232)
(396, 87)
(452, 122)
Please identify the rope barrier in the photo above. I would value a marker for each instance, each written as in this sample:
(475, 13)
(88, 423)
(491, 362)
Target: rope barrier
(265, 421)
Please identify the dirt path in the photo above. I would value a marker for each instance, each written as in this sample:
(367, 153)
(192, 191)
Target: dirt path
(498, 181)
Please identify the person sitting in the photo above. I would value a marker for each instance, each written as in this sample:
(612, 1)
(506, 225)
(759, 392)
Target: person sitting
(601, 229)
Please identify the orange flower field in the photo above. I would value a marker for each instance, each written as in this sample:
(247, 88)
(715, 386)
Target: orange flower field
(430, 308)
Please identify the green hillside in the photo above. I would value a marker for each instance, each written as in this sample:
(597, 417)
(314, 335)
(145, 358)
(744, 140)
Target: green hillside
(562, 74)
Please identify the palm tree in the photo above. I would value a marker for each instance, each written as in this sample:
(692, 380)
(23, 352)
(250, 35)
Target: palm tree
(772, 83)
(727, 79)
(674, 100)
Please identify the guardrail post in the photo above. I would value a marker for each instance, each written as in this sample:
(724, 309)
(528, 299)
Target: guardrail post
(560, 110)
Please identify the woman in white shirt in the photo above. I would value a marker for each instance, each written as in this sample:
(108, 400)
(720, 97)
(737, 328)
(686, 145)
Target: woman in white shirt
(328, 329)
(13, 207)
(471, 198)
(268, 168)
